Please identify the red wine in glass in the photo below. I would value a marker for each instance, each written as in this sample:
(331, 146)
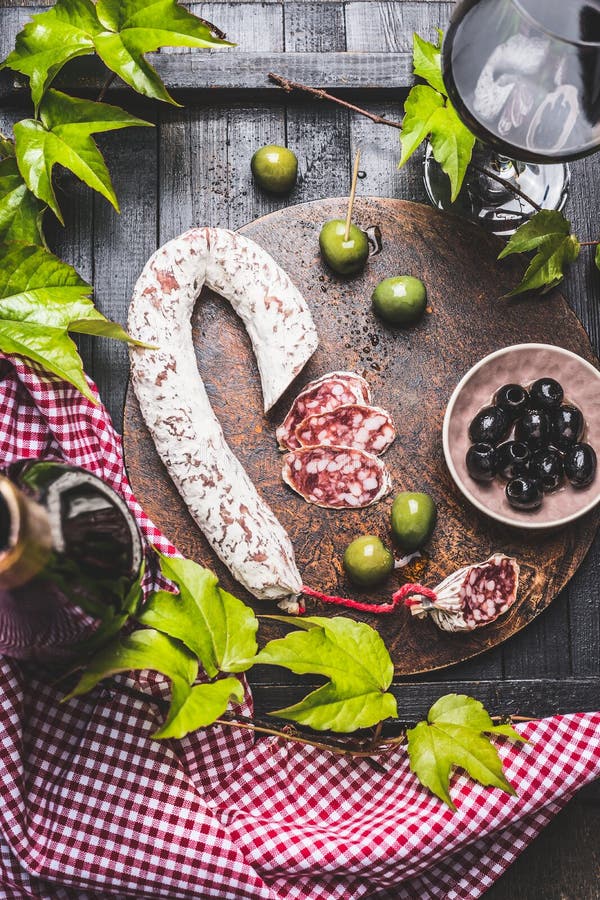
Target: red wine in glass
(524, 76)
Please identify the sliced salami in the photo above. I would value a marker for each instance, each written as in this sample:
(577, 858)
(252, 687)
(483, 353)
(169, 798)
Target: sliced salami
(471, 597)
(336, 477)
(320, 396)
(355, 425)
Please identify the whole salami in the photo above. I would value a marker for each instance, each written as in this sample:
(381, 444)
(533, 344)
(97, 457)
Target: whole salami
(336, 477)
(239, 525)
(363, 427)
(325, 393)
(471, 597)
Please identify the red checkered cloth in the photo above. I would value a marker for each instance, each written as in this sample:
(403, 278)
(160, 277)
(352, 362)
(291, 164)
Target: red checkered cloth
(93, 807)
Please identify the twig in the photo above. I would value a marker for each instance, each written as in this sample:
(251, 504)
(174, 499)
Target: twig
(105, 87)
(507, 184)
(589, 243)
(385, 747)
(289, 86)
(352, 195)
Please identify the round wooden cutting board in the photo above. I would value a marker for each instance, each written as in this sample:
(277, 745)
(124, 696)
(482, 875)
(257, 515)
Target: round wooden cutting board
(412, 373)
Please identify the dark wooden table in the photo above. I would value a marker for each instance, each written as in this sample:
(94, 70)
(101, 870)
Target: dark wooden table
(193, 169)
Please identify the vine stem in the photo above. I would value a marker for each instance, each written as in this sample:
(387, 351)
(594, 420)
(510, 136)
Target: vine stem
(105, 87)
(589, 243)
(377, 746)
(288, 85)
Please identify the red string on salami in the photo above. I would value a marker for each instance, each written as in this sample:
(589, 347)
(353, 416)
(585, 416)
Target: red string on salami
(404, 593)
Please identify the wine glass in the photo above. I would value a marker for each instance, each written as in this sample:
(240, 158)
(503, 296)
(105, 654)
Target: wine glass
(524, 76)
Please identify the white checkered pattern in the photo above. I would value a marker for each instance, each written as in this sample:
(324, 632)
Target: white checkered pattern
(93, 808)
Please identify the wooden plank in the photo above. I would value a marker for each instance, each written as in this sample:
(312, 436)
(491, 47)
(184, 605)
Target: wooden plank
(563, 863)
(205, 151)
(387, 26)
(523, 696)
(317, 132)
(237, 70)
(121, 245)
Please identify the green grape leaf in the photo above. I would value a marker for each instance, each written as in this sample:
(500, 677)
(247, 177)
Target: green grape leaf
(135, 27)
(427, 62)
(597, 256)
(354, 659)
(420, 108)
(454, 736)
(120, 31)
(548, 235)
(217, 627)
(50, 40)
(41, 297)
(144, 649)
(198, 707)
(20, 211)
(452, 145)
(63, 136)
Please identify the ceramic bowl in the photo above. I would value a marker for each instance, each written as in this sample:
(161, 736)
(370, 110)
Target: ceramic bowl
(523, 364)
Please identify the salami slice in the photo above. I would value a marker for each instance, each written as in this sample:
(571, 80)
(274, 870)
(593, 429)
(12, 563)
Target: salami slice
(320, 396)
(355, 425)
(472, 596)
(336, 477)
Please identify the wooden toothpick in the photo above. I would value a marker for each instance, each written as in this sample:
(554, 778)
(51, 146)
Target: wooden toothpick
(352, 195)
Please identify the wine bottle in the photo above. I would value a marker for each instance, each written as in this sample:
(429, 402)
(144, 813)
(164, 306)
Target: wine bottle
(70, 561)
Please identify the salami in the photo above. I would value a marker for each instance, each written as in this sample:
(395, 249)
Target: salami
(239, 525)
(471, 597)
(318, 397)
(362, 427)
(336, 477)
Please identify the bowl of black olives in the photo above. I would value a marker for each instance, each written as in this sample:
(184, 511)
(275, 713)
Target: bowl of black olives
(520, 436)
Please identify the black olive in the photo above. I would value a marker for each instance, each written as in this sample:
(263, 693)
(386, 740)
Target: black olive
(481, 462)
(490, 426)
(580, 464)
(566, 426)
(513, 459)
(546, 393)
(533, 429)
(513, 399)
(547, 467)
(524, 493)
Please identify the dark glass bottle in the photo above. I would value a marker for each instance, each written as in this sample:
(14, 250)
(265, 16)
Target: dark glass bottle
(70, 555)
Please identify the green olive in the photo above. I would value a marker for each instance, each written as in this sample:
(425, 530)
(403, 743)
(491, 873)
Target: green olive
(275, 168)
(346, 257)
(367, 562)
(401, 300)
(413, 519)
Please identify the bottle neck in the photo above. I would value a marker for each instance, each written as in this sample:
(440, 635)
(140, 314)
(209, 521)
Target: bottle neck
(25, 536)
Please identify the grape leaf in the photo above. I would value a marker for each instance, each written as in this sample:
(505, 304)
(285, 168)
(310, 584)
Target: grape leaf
(63, 135)
(352, 656)
(427, 62)
(452, 145)
(548, 233)
(120, 31)
(597, 256)
(41, 297)
(20, 211)
(144, 649)
(429, 113)
(454, 736)
(198, 707)
(421, 106)
(217, 627)
(50, 40)
(135, 27)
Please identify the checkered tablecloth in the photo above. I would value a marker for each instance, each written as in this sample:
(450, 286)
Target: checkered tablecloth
(92, 807)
